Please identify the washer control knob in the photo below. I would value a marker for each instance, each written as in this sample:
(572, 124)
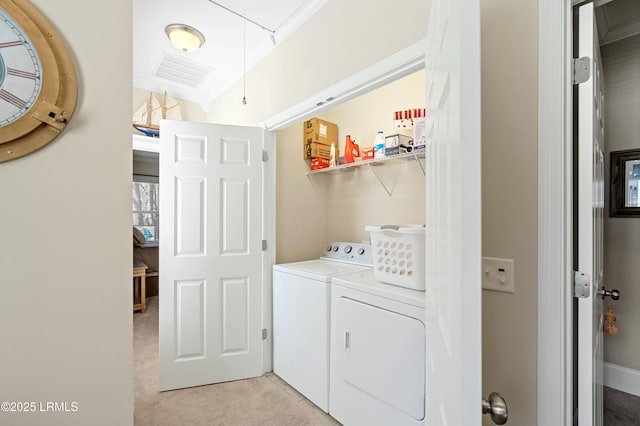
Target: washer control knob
(336, 248)
(361, 251)
(348, 249)
(329, 248)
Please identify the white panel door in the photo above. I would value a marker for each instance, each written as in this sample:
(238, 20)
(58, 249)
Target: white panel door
(590, 187)
(211, 258)
(453, 248)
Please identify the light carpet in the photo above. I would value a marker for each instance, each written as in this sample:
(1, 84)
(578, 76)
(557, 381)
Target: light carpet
(265, 400)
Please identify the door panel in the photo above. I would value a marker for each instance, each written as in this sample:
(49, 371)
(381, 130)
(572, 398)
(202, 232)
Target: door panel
(211, 215)
(190, 202)
(234, 206)
(235, 316)
(590, 187)
(453, 185)
(189, 319)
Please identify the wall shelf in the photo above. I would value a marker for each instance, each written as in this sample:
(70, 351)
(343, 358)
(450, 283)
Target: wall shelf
(145, 143)
(373, 165)
(395, 159)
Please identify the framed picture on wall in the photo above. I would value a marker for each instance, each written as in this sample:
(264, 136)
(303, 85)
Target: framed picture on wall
(625, 180)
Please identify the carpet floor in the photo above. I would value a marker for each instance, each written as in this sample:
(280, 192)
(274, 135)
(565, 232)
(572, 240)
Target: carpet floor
(264, 401)
(620, 408)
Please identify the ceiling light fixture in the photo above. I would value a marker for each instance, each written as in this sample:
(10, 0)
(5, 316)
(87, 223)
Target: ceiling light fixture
(184, 38)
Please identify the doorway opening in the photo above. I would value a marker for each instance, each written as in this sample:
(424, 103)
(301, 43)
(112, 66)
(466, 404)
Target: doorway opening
(403, 68)
(619, 37)
(145, 215)
(555, 322)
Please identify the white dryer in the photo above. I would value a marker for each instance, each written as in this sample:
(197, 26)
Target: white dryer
(377, 352)
(301, 316)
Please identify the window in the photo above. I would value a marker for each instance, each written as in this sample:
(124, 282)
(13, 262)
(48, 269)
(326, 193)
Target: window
(146, 206)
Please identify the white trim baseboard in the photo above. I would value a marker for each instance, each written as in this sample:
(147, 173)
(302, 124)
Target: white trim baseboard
(622, 378)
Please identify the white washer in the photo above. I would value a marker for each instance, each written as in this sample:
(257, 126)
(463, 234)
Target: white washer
(301, 317)
(377, 352)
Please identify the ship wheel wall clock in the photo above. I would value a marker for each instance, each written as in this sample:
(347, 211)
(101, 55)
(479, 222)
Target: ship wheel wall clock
(38, 84)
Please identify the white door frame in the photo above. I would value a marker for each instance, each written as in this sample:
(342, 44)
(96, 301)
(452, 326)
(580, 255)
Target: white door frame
(555, 232)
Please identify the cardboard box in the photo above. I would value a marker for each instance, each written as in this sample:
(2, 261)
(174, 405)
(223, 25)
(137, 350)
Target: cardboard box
(319, 163)
(317, 150)
(391, 151)
(394, 142)
(368, 153)
(319, 131)
(420, 133)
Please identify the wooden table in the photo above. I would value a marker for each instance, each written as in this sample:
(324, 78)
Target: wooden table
(139, 287)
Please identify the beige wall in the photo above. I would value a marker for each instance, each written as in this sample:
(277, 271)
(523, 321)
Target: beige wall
(315, 210)
(509, 200)
(301, 202)
(357, 198)
(342, 38)
(621, 62)
(65, 256)
(316, 56)
(146, 166)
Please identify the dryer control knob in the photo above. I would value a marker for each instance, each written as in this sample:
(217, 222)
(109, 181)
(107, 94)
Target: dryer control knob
(336, 248)
(329, 248)
(361, 251)
(348, 249)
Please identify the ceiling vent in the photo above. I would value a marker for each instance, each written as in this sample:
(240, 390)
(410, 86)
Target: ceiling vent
(183, 71)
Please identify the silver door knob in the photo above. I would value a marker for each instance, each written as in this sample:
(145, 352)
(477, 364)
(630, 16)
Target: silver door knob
(496, 407)
(614, 294)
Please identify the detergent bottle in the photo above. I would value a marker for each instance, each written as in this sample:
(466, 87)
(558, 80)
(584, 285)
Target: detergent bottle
(332, 156)
(351, 150)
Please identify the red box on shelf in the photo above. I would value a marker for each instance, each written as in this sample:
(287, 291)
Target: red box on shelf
(319, 163)
(368, 153)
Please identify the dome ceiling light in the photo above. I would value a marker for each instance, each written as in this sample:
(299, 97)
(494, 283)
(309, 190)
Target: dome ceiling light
(184, 38)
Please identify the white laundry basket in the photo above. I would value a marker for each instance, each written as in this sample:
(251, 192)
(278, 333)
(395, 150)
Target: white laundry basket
(398, 254)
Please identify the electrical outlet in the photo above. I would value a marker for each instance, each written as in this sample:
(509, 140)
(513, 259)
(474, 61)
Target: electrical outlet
(497, 274)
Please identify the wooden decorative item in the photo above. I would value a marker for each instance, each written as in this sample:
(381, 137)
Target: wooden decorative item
(38, 84)
(610, 326)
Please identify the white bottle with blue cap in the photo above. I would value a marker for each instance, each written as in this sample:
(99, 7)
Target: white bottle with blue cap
(379, 145)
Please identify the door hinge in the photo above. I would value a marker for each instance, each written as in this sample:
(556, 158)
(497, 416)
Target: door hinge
(581, 71)
(264, 245)
(581, 284)
(264, 334)
(265, 156)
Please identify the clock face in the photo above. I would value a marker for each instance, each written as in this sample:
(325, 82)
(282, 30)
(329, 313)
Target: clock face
(38, 83)
(20, 71)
